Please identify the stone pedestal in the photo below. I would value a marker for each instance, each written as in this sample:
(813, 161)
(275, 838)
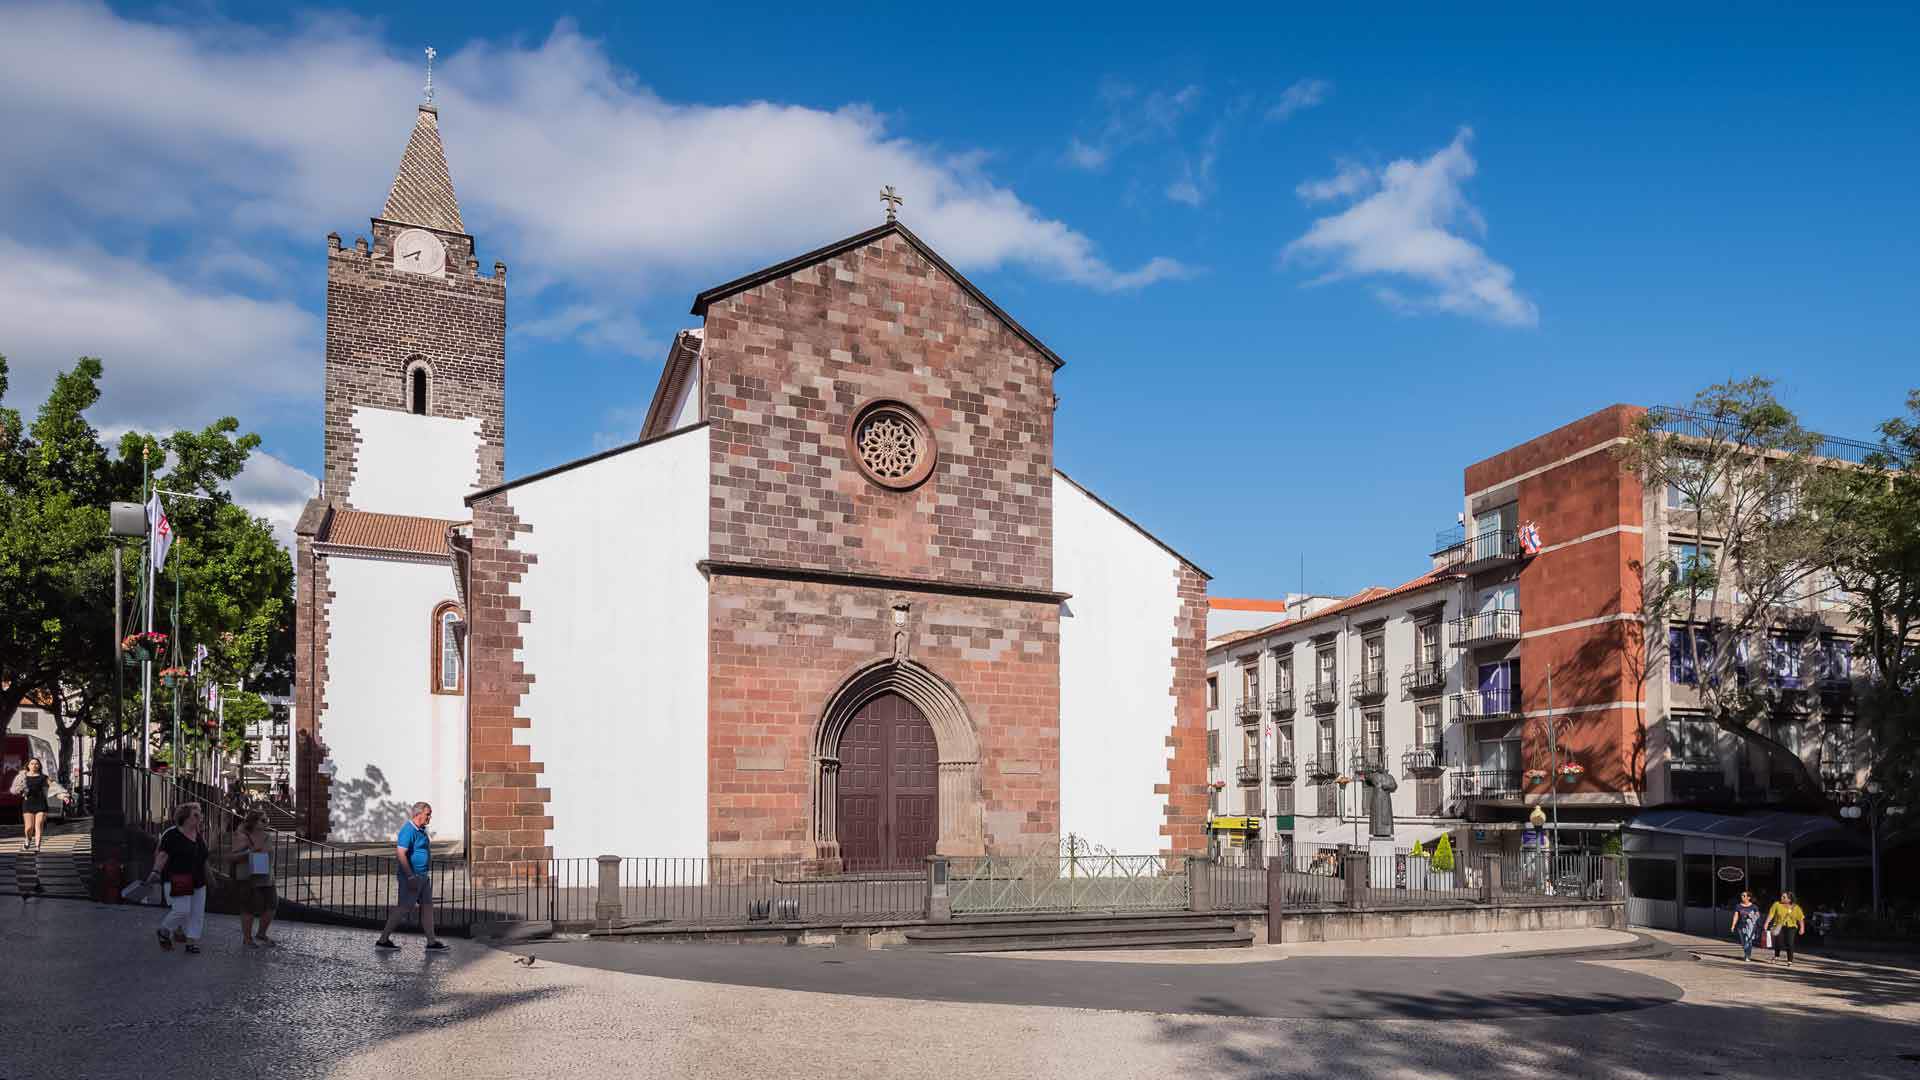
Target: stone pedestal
(1380, 849)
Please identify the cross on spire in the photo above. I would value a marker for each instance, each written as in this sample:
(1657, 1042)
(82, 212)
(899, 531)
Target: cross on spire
(893, 201)
(430, 55)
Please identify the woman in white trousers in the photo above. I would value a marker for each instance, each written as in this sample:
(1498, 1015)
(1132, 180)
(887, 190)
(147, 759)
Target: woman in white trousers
(181, 861)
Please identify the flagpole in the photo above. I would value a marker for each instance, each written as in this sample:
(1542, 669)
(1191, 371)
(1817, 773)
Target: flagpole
(146, 666)
(174, 646)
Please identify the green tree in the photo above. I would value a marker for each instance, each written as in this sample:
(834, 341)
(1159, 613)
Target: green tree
(1874, 515)
(1746, 477)
(1443, 854)
(56, 569)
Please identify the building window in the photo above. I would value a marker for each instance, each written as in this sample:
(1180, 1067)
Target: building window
(1374, 723)
(1213, 691)
(1329, 676)
(419, 388)
(1429, 712)
(1213, 747)
(1283, 674)
(1687, 560)
(1283, 742)
(1283, 801)
(1783, 661)
(1427, 637)
(1250, 683)
(1680, 653)
(1373, 652)
(892, 444)
(447, 669)
(1693, 740)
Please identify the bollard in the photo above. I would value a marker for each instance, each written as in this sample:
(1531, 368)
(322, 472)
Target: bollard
(939, 905)
(1611, 877)
(1199, 883)
(1489, 878)
(606, 905)
(1356, 870)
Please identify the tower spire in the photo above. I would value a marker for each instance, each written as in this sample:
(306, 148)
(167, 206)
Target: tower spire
(422, 192)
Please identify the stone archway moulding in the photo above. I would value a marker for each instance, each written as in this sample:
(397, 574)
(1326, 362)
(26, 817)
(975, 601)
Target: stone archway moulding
(962, 816)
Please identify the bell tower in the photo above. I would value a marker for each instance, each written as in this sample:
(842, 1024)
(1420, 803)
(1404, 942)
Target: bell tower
(415, 351)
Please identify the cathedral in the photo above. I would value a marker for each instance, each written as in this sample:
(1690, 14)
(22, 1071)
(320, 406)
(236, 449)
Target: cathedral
(834, 601)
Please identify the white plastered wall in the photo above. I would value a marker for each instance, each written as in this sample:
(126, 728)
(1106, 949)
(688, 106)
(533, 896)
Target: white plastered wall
(392, 741)
(1116, 673)
(616, 643)
(408, 464)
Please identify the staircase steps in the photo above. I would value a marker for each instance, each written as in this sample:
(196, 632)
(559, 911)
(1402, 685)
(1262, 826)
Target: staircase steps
(1159, 931)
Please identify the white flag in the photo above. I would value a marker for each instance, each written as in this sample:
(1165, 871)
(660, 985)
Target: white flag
(199, 658)
(162, 531)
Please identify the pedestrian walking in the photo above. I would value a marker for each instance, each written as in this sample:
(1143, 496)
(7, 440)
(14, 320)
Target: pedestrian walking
(416, 883)
(181, 859)
(1786, 921)
(251, 863)
(35, 787)
(1746, 925)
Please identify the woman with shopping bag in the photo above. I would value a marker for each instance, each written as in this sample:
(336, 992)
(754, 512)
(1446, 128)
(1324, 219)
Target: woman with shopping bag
(251, 867)
(181, 861)
(1785, 921)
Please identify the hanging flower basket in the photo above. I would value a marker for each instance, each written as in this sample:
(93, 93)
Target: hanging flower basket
(1343, 779)
(147, 645)
(1536, 776)
(1217, 784)
(172, 676)
(1572, 770)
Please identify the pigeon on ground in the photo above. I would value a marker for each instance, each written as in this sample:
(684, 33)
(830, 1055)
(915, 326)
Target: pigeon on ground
(524, 961)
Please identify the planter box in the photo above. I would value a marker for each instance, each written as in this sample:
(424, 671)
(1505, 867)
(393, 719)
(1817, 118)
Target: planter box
(1423, 877)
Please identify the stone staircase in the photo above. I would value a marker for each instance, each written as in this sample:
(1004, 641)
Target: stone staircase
(1157, 930)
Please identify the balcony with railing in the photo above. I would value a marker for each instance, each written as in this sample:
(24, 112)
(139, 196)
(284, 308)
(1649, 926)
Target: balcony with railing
(1421, 760)
(1422, 678)
(1324, 765)
(1480, 551)
(1369, 686)
(1248, 772)
(1489, 784)
(1280, 702)
(1248, 710)
(1282, 770)
(1485, 705)
(1323, 696)
(1362, 758)
(1491, 627)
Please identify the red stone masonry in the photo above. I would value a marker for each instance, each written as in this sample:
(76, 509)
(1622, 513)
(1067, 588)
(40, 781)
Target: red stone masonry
(507, 810)
(777, 651)
(789, 362)
(1186, 788)
(312, 600)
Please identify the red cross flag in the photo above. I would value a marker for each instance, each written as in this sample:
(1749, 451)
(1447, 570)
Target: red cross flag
(161, 530)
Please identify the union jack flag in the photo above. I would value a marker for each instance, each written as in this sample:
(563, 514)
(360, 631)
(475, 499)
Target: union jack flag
(1530, 538)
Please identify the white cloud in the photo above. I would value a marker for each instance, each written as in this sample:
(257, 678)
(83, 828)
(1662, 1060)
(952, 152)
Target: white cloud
(272, 489)
(1350, 179)
(553, 148)
(1304, 94)
(1083, 155)
(1184, 190)
(600, 325)
(173, 355)
(1408, 228)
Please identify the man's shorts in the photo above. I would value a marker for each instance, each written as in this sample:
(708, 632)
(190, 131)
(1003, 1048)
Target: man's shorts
(415, 890)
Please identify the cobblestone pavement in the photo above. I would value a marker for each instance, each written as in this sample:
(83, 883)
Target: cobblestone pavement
(107, 1002)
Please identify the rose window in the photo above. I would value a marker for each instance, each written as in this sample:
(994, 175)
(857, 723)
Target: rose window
(892, 444)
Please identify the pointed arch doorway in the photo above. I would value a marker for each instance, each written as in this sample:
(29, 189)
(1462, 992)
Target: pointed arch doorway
(888, 802)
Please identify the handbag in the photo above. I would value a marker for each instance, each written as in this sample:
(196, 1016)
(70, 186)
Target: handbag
(180, 884)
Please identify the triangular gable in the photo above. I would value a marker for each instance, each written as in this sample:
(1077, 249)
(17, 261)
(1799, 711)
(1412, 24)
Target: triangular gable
(422, 192)
(801, 262)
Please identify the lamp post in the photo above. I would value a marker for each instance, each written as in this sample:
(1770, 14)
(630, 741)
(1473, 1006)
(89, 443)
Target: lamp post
(1868, 805)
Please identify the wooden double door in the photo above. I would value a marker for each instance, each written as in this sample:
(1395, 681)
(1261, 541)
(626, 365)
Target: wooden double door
(888, 811)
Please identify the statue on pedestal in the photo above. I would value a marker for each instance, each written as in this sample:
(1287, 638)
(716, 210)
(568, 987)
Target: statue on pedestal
(1380, 806)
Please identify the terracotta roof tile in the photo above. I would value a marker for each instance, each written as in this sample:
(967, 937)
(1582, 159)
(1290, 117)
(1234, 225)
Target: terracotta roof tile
(1234, 603)
(1369, 595)
(387, 532)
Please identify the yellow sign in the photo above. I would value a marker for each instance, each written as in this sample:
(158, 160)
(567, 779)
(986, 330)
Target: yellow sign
(1236, 824)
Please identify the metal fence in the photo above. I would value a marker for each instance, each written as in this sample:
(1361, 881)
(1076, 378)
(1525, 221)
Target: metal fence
(709, 891)
(1006, 884)
(1403, 880)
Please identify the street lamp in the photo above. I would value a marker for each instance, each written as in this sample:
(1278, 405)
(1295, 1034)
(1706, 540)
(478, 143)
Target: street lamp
(1853, 812)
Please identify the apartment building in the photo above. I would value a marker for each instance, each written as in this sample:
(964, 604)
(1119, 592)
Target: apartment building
(1525, 679)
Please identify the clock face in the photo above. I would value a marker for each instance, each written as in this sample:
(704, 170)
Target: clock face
(419, 251)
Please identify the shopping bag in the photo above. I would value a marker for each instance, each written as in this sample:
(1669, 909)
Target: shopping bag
(135, 893)
(1767, 942)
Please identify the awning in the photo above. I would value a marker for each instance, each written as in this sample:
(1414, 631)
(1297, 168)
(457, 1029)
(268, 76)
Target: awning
(1790, 831)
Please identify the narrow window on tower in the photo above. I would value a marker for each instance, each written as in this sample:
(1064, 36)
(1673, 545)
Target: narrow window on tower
(417, 391)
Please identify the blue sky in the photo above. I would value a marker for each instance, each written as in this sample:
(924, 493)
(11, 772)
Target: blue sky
(1302, 269)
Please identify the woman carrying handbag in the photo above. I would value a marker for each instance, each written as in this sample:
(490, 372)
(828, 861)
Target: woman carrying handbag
(251, 867)
(181, 860)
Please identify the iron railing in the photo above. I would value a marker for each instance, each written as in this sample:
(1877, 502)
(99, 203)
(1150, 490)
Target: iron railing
(1690, 424)
(1323, 696)
(665, 891)
(1248, 710)
(1486, 627)
(1323, 765)
(1006, 884)
(1248, 772)
(1421, 759)
(1485, 705)
(1369, 685)
(1281, 702)
(1405, 881)
(1282, 771)
(1458, 551)
(1488, 783)
(1421, 678)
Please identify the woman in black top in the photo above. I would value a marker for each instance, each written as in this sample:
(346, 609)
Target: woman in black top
(35, 787)
(181, 859)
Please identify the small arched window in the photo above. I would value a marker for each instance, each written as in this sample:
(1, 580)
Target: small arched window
(448, 672)
(417, 391)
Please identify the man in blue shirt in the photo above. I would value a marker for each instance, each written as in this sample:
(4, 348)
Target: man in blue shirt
(416, 885)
